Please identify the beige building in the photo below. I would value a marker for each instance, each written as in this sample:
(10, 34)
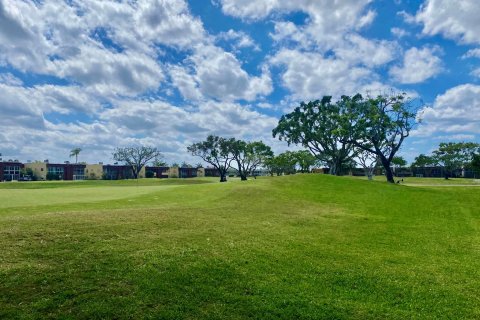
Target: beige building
(39, 169)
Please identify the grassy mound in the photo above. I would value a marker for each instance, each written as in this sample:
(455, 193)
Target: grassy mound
(303, 246)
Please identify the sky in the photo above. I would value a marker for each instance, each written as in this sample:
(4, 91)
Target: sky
(167, 73)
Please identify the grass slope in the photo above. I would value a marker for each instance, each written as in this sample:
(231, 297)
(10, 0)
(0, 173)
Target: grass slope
(304, 246)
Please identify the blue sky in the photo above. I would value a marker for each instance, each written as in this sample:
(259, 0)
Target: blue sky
(166, 73)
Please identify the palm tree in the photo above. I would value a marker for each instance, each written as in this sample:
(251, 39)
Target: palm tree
(75, 152)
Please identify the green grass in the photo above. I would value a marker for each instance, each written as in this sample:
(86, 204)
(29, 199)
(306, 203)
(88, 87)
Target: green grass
(294, 247)
(414, 181)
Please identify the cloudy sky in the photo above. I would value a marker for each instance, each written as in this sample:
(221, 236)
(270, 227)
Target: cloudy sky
(166, 73)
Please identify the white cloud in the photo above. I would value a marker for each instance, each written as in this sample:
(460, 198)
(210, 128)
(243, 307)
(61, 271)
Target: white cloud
(476, 73)
(310, 75)
(457, 111)
(472, 53)
(418, 65)
(457, 20)
(399, 32)
(241, 39)
(215, 73)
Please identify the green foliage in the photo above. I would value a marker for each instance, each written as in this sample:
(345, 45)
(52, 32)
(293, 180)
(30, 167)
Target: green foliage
(475, 164)
(424, 161)
(249, 155)
(216, 151)
(315, 125)
(305, 160)
(455, 155)
(53, 176)
(74, 153)
(379, 125)
(399, 162)
(149, 174)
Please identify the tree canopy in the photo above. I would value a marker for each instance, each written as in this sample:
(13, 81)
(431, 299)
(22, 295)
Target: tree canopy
(314, 125)
(216, 151)
(379, 125)
(136, 157)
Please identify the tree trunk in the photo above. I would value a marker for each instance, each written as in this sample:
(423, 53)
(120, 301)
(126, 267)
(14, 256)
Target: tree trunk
(223, 177)
(388, 169)
(243, 177)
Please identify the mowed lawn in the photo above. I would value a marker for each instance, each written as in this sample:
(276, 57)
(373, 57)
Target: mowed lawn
(292, 247)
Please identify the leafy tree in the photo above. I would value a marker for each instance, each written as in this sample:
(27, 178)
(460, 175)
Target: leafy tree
(249, 155)
(315, 125)
(199, 165)
(399, 162)
(369, 162)
(379, 125)
(216, 151)
(136, 157)
(305, 160)
(475, 164)
(455, 155)
(424, 161)
(285, 163)
(74, 153)
(175, 165)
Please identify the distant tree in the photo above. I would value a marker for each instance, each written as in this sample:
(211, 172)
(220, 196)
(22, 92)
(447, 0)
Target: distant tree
(285, 163)
(74, 153)
(185, 165)
(314, 125)
(305, 160)
(199, 165)
(399, 162)
(475, 164)
(216, 151)
(369, 162)
(159, 162)
(249, 155)
(175, 165)
(455, 155)
(136, 157)
(379, 125)
(424, 161)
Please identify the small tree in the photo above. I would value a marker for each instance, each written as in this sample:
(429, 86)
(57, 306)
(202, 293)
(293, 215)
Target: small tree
(74, 153)
(216, 151)
(424, 161)
(455, 155)
(249, 155)
(369, 161)
(475, 164)
(305, 160)
(136, 157)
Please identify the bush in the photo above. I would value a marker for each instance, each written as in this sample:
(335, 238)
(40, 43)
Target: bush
(53, 176)
(149, 174)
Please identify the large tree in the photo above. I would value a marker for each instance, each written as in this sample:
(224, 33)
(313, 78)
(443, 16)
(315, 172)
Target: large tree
(216, 151)
(314, 125)
(136, 157)
(74, 153)
(379, 125)
(249, 155)
(455, 155)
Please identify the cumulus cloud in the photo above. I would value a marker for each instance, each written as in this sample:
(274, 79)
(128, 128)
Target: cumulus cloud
(215, 73)
(457, 111)
(418, 66)
(472, 53)
(457, 20)
(310, 75)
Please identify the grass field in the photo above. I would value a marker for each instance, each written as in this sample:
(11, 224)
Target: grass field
(292, 247)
